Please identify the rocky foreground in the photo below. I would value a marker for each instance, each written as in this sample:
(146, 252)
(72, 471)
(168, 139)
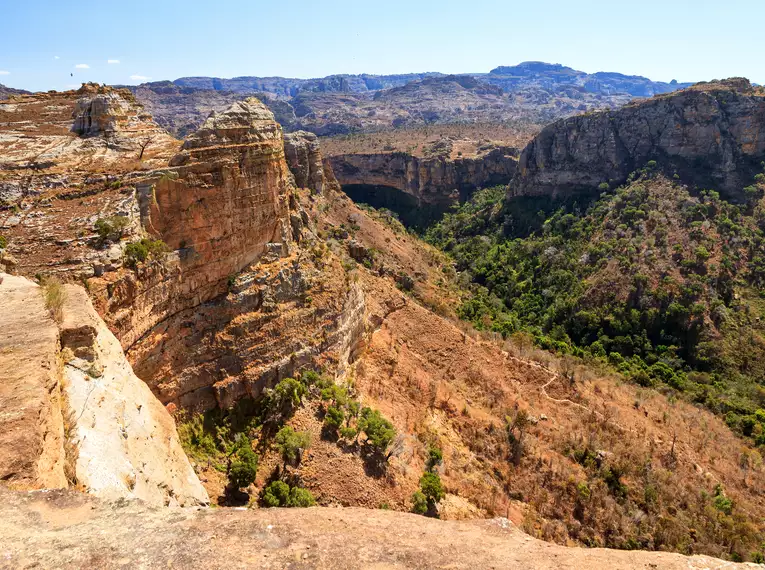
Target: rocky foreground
(65, 529)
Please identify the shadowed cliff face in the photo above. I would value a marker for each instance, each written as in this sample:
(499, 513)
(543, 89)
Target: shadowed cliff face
(709, 135)
(404, 183)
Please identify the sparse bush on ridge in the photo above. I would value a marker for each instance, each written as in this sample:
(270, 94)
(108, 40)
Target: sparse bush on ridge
(140, 251)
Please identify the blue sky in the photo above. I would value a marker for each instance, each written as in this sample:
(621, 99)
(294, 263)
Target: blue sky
(43, 42)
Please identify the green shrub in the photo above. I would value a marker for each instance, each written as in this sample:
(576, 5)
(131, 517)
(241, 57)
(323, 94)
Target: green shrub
(276, 494)
(431, 487)
(3, 242)
(113, 226)
(380, 432)
(419, 503)
(348, 433)
(435, 458)
(244, 468)
(333, 419)
(279, 494)
(140, 251)
(721, 502)
(291, 443)
(300, 497)
(281, 401)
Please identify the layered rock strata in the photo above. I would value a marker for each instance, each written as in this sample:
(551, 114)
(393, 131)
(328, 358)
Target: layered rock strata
(437, 180)
(235, 304)
(304, 159)
(217, 209)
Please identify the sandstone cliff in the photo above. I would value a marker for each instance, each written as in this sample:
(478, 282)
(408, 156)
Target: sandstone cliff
(224, 313)
(437, 180)
(304, 159)
(217, 209)
(125, 441)
(31, 424)
(79, 416)
(710, 135)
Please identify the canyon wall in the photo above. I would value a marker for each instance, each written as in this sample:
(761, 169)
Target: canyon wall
(437, 180)
(710, 135)
(235, 303)
(217, 207)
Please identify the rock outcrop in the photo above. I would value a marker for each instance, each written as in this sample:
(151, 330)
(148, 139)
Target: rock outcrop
(62, 529)
(303, 154)
(217, 209)
(231, 308)
(31, 425)
(437, 180)
(710, 135)
(79, 415)
(125, 441)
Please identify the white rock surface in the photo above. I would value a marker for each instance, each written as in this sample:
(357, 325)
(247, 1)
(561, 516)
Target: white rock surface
(127, 442)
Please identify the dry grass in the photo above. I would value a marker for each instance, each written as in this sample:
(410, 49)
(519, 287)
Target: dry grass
(55, 296)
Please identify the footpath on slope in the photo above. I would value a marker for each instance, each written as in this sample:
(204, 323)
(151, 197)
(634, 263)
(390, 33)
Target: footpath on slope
(65, 529)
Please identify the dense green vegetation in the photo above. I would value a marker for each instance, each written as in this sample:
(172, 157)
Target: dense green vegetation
(665, 286)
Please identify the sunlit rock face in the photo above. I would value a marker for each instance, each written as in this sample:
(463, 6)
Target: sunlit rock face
(710, 135)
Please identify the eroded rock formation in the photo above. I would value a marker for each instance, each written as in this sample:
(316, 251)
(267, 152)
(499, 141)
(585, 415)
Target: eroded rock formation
(436, 180)
(217, 209)
(31, 425)
(235, 304)
(124, 441)
(102, 110)
(304, 159)
(710, 135)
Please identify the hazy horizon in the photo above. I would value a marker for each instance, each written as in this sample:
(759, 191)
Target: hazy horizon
(52, 45)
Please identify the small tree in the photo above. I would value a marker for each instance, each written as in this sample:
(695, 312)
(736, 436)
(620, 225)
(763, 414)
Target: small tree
(291, 444)
(431, 492)
(419, 503)
(516, 430)
(333, 419)
(244, 468)
(283, 399)
(380, 432)
(435, 458)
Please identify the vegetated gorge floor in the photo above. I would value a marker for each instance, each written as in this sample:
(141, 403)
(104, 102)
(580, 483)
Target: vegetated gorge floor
(65, 529)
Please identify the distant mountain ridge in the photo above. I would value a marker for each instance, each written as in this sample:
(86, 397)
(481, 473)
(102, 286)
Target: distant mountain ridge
(555, 75)
(6, 92)
(532, 91)
(506, 77)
